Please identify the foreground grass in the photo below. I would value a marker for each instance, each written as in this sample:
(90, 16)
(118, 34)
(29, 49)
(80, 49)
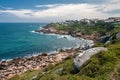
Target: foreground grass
(29, 75)
(101, 66)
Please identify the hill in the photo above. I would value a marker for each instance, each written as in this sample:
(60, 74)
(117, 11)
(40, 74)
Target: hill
(104, 65)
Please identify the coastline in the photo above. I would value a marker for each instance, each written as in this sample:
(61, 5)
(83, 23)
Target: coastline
(51, 30)
(17, 66)
(88, 43)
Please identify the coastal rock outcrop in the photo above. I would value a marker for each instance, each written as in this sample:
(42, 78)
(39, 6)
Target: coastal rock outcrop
(85, 55)
(105, 38)
(118, 35)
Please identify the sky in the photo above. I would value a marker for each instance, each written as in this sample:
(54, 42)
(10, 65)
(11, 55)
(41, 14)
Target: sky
(57, 10)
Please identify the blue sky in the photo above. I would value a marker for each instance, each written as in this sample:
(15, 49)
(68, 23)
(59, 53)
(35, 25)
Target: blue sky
(56, 10)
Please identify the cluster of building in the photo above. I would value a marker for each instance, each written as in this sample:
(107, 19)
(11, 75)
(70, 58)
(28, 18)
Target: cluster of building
(91, 21)
(113, 19)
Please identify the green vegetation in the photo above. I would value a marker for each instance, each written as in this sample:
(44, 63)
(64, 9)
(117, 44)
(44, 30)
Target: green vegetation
(102, 66)
(99, 28)
(29, 75)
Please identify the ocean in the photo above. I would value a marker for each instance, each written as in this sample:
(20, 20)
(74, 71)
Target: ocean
(19, 40)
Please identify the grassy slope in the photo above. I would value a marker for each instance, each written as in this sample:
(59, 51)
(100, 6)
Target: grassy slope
(102, 66)
(26, 76)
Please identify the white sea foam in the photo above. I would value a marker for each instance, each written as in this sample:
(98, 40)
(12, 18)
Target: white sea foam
(6, 59)
(82, 45)
(33, 54)
(33, 31)
(51, 34)
(53, 52)
(77, 45)
(69, 37)
(67, 48)
(61, 36)
(79, 42)
(40, 28)
(36, 32)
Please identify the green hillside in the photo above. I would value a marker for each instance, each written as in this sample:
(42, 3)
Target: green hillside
(102, 66)
(87, 28)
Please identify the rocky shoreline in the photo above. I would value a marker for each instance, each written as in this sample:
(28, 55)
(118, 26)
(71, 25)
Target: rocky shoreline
(18, 66)
(51, 30)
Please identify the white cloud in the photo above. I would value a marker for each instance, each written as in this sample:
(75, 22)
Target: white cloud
(19, 13)
(114, 1)
(49, 5)
(59, 12)
(111, 6)
(5, 7)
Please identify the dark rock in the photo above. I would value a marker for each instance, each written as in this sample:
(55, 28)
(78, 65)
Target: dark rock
(44, 54)
(105, 38)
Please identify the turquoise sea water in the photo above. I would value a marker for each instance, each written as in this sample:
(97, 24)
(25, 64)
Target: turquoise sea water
(19, 39)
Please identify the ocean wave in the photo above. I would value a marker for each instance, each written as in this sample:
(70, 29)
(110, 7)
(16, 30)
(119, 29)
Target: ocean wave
(33, 31)
(53, 52)
(36, 32)
(51, 34)
(61, 36)
(6, 59)
(69, 37)
(78, 45)
(40, 28)
(67, 48)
